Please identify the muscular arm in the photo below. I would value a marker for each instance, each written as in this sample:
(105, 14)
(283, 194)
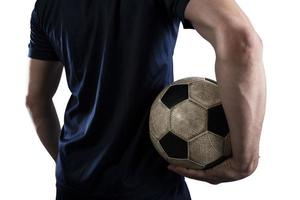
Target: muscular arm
(44, 77)
(241, 79)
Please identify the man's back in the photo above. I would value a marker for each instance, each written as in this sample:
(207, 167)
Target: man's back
(117, 57)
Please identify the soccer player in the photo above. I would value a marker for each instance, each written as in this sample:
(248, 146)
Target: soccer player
(117, 55)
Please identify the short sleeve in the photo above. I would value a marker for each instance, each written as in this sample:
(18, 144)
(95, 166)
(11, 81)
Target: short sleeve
(39, 45)
(176, 8)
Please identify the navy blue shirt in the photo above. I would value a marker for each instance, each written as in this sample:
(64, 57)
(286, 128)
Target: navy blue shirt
(117, 55)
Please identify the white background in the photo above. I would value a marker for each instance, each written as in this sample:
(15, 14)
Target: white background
(27, 171)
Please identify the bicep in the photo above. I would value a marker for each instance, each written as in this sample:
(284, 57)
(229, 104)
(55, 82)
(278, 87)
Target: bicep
(45, 68)
(44, 78)
(210, 17)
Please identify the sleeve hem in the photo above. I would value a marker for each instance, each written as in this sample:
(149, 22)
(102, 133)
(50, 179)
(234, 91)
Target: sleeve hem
(42, 55)
(181, 8)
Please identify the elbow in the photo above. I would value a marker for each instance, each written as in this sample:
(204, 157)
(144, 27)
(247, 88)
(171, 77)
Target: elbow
(245, 169)
(29, 101)
(35, 100)
(240, 46)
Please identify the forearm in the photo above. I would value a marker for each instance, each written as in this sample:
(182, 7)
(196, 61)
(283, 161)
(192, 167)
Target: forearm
(46, 122)
(242, 87)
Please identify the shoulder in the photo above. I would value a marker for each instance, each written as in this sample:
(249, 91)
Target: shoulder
(42, 6)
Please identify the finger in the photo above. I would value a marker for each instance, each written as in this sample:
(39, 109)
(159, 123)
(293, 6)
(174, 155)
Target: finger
(191, 173)
(215, 175)
(222, 172)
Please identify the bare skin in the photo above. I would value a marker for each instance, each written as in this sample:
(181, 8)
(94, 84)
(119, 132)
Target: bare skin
(239, 72)
(44, 77)
(242, 85)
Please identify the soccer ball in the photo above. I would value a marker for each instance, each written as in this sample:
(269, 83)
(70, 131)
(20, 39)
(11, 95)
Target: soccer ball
(188, 126)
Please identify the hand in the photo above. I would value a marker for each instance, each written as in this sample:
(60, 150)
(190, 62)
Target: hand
(227, 171)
